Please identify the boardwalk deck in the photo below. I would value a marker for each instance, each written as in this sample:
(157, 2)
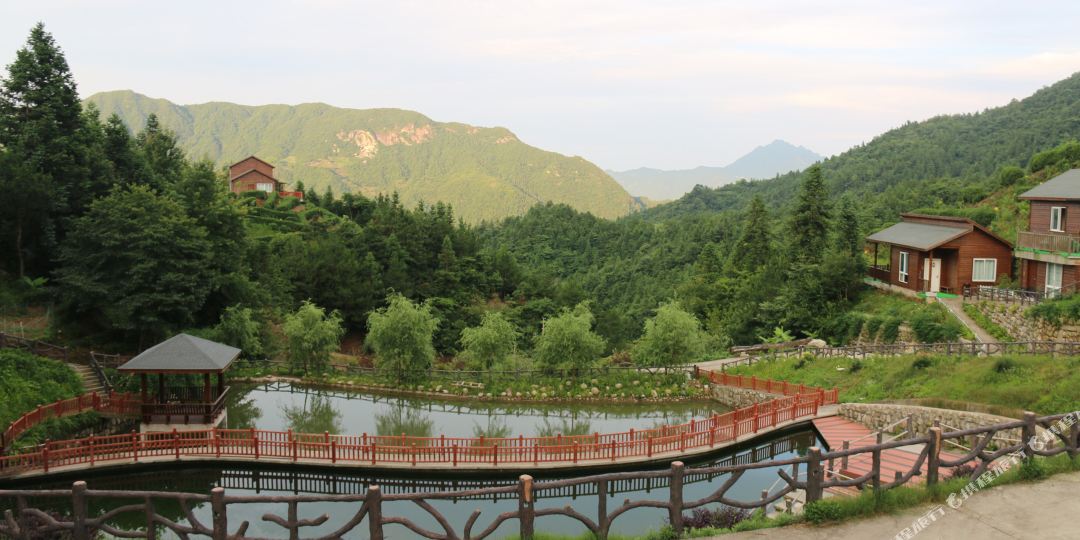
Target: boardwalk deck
(835, 430)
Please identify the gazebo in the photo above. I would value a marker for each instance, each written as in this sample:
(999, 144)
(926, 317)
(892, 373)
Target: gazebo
(183, 403)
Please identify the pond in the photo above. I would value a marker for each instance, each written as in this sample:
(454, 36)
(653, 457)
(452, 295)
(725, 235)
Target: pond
(305, 409)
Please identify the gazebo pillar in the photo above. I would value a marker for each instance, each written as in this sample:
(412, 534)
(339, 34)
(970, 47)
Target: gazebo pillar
(142, 385)
(161, 388)
(220, 383)
(206, 388)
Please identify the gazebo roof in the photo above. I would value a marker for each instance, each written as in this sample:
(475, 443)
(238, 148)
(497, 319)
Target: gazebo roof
(183, 353)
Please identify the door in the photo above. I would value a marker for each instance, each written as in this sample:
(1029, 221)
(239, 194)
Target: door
(1053, 279)
(932, 275)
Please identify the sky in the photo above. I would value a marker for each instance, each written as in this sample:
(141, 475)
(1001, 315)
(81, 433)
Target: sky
(623, 83)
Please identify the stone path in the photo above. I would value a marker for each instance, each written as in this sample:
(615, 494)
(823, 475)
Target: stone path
(956, 307)
(1044, 510)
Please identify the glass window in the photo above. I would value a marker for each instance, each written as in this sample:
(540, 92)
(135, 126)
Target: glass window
(903, 267)
(984, 270)
(1053, 278)
(267, 187)
(1057, 218)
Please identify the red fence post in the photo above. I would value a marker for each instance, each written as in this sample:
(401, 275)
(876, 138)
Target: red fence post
(45, 456)
(176, 443)
(134, 446)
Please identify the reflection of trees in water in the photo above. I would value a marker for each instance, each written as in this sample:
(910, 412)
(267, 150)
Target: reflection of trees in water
(242, 412)
(495, 428)
(401, 417)
(565, 426)
(316, 415)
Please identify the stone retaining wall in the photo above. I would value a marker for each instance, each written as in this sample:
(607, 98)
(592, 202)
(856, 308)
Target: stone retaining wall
(735, 397)
(878, 415)
(1011, 317)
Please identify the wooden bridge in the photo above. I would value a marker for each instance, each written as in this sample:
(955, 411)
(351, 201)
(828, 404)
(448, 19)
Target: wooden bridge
(696, 438)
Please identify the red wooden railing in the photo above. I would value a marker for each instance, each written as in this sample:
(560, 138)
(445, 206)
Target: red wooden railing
(123, 404)
(370, 450)
(825, 397)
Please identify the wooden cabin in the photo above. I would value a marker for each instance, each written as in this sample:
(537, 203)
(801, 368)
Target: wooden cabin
(1049, 251)
(254, 174)
(938, 254)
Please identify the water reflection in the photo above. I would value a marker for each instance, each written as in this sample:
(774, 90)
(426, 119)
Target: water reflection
(403, 418)
(317, 414)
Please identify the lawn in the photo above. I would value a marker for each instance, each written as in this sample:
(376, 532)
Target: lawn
(1041, 384)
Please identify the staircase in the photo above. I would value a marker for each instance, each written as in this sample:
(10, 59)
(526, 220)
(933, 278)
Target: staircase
(90, 380)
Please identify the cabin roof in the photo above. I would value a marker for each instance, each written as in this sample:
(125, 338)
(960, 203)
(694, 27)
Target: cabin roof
(183, 353)
(271, 165)
(1065, 186)
(920, 236)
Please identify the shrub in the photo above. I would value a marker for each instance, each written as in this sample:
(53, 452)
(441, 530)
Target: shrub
(1008, 175)
(922, 362)
(890, 329)
(934, 326)
(823, 510)
(724, 517)
(1032, 469)
(1005, 365)
(873, 324)
(962, 471)
(856, 367)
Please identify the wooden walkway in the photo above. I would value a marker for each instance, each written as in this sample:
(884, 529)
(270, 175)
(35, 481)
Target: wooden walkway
(835, 430)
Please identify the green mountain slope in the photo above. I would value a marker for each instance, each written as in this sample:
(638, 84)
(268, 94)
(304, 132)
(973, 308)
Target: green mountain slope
(485, 173)
(920, 163)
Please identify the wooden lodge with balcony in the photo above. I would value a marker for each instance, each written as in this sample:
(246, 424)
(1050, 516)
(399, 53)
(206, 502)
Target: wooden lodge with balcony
(1049, 251)
(180, 403)
(254, 174)
(925, 253)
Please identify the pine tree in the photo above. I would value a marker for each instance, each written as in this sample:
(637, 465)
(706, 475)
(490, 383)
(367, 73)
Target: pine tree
(129, 166)
(809, 226)
(163, 156)
(848, 239)
(754, 247)
(42, 126)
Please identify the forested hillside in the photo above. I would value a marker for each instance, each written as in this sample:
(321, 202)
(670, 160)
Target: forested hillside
(941, 161)
(485, 173)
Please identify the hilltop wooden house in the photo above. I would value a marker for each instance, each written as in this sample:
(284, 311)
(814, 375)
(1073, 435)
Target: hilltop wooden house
(1049, 250)
(254, 174)
(938, 254)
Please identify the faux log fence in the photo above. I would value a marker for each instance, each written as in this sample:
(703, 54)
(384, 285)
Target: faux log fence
(369, 512)
(120, 404)
(1047, 348)
(448, 451)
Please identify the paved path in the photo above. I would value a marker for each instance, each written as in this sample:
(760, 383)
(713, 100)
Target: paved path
(956, 307)
(1043, 510)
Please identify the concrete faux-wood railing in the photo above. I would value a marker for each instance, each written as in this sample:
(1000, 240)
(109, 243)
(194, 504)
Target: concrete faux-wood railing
(117, 404)
(696, 437)
(368, 513)
(1040, 348)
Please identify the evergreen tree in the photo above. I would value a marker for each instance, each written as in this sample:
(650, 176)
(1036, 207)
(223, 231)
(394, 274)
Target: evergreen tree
(809, 226)
(42, 127)
(129, 167)
(754, 247)
(24, 215)
(848, 239)
(164, 158)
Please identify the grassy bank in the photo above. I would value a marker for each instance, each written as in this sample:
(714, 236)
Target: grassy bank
(878, 316)
(1037, 383)
(533, 386)
(27, 381)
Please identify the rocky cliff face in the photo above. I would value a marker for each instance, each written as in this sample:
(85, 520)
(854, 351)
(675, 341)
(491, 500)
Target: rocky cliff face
(485, 173)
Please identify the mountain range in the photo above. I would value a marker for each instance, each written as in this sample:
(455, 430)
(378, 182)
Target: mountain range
(777, 157)
(485, 173)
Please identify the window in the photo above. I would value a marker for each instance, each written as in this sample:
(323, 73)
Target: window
(984, 270)
(267, 187)
(1053, 279)
(1057, 218)
(903, 267)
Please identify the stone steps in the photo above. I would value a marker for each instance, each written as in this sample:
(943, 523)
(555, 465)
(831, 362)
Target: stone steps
(90, 380)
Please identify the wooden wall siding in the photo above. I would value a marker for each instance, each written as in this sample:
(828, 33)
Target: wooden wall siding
(957, 261)
(250, 180)
(1039, 220)
(1035, 276)
(251, 163)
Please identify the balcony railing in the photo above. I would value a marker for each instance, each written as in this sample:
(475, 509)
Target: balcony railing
(184, 412)
(879, 272)
(1054, 243)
